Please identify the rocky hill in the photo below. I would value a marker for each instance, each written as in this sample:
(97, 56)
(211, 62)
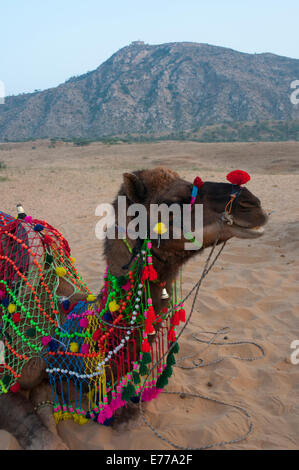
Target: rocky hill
(153, 89)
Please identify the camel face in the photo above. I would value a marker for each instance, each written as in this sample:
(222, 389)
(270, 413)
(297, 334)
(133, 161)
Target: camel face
(163, 186)
(247, 217)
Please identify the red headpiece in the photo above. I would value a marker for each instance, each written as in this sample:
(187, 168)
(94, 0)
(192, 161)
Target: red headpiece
(238, 177)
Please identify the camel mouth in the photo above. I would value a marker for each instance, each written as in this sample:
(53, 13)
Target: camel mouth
(248, 232)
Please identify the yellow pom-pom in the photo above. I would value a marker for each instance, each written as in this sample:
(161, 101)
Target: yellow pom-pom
(57, 416)
(113, 306)
(160, 228)
(74, 347)
(61, 272)
(91, 298)
(80, 419)
(12, 308)
(72, 260)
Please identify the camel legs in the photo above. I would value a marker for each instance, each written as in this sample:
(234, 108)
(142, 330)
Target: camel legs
(18, 417)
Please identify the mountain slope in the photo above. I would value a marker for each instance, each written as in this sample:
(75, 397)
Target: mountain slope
(157, 88)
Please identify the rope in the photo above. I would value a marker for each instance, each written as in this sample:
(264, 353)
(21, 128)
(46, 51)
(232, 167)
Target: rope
(212, 342)
(207, 268)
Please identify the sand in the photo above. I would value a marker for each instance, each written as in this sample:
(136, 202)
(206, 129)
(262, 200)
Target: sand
(253, 289)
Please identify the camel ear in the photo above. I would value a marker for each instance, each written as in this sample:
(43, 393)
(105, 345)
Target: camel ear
(134, 188)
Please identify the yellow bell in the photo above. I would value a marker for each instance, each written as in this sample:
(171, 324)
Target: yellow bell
(160, 228)
(91, 298)
(113, 306)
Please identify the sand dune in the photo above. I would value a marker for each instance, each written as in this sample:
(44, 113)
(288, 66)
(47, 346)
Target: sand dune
(253, 289)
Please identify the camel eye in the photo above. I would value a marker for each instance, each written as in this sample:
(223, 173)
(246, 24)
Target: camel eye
(248, 204)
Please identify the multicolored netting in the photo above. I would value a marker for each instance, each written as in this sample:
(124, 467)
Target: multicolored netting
(97, 352)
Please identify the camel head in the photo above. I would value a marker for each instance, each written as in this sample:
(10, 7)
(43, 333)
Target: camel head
(164, 186)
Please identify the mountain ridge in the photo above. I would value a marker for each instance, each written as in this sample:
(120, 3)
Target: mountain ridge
(149, 89)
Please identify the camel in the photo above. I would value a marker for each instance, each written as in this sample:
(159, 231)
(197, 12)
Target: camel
(36, 429)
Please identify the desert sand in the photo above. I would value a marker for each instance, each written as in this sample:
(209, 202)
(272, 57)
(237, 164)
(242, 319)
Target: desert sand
(253, 289)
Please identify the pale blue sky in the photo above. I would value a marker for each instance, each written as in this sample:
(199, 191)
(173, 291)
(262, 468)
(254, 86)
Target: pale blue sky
(44, 42)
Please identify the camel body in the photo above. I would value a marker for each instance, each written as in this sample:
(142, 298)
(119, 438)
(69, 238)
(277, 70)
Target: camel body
(148, 186)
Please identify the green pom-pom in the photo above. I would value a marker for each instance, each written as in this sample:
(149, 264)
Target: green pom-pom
(146, 358)
(124, 395)
(162, 381)
(121, 281)
(30, 333)
(167, 371)
(175, 348)
(128, 392)
(136, 377)
(8, 337)
(171, 360)
(143, 370)
(6, 380)
(49, 259)
(131, 390)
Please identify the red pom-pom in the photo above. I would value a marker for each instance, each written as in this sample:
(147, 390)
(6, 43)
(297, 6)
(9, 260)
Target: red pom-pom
(238, 177)
(145, 274)
(96, 336)
(182, 315)
(145, 346)
(15, 388)
(198, 182)
(48, 240)
(175, 321)
(152, 273)
(16, 318)
(171, 335)
(149, 329)
(151, 314)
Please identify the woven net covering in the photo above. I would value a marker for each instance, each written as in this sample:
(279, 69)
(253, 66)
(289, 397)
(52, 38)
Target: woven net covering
(96, 352)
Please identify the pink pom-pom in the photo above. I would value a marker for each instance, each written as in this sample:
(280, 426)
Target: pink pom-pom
(84, 323)
(85, 348)
(238, 177)
(108, 412)
(28, 219)
(101, 418)
(46, 340)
